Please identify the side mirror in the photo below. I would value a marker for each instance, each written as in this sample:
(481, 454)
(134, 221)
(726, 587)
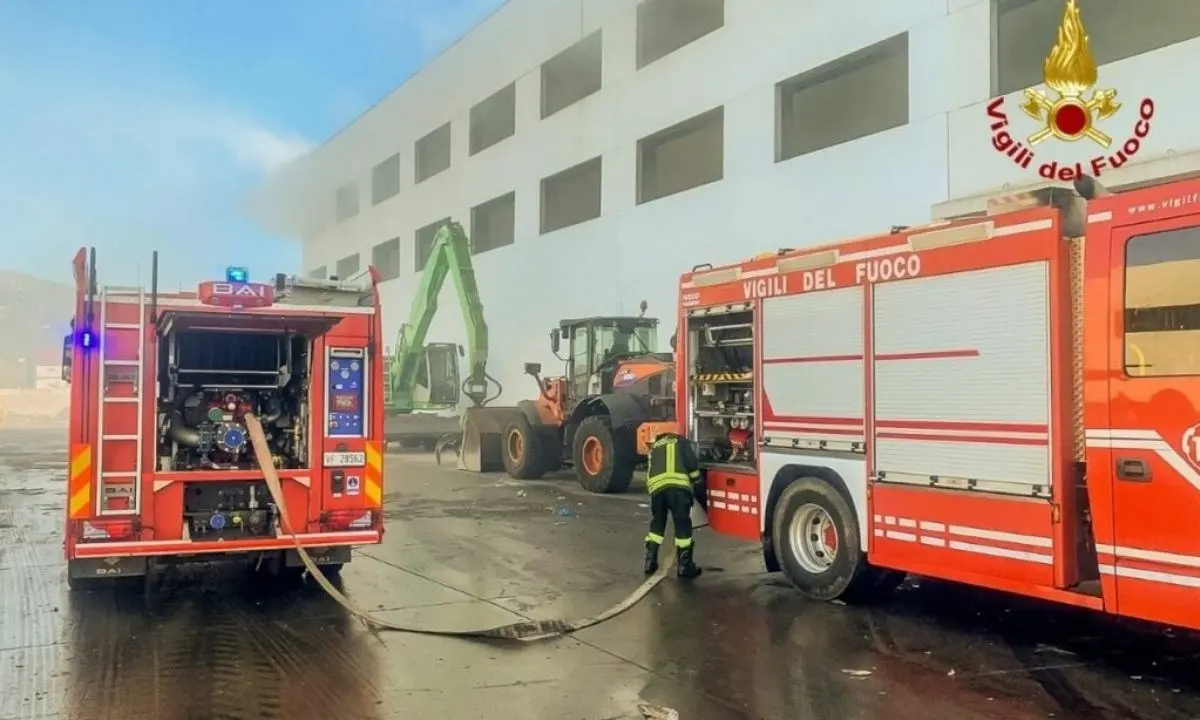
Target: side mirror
(555, 340)
(533, 369)
(67, 356)
(461, 351)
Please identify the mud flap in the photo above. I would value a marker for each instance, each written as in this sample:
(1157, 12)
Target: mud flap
(523, 631)
(320, 556)
(481, 446)
(111, 567)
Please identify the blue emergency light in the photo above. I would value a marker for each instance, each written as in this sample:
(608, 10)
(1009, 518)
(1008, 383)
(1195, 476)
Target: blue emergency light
(237, 274)
(86, 339)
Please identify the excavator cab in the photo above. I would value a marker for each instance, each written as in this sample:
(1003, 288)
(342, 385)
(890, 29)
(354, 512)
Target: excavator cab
(438, 381)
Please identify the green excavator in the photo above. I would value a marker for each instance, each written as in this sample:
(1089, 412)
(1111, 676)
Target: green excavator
(422, 385)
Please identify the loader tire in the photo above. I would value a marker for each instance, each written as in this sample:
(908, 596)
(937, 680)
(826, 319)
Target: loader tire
(522, 454)
(603, 456)
(816, 535)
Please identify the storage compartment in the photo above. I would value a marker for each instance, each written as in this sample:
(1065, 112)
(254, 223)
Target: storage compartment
(228, 511)
(209, 380)
(721, 379)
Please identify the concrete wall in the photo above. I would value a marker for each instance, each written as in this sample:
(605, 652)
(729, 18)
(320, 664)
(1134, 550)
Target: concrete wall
(635, 252)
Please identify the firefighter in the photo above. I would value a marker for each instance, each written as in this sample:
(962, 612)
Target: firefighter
(670, 473)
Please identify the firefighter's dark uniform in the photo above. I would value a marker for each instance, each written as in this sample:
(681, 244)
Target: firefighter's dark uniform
(670, 473)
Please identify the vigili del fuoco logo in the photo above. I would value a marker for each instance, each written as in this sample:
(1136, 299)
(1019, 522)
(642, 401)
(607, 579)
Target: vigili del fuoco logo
(1067, 113)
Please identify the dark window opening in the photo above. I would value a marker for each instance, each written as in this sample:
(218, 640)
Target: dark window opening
(432, 154)
(573, 74)
(664, 26)
(1117, 29)
(681, 157)
(423, 243)
(347, 201)
(494, 119)
(493, 224)
(385, 180)
(572, 196)
(385, 257)
(851, 97)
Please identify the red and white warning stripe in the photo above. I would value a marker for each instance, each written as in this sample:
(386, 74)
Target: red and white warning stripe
(745, 503)
(964, 538)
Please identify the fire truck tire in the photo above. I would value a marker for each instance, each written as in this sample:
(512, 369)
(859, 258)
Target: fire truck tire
(603, 457)
(522, 455)
(816, 535)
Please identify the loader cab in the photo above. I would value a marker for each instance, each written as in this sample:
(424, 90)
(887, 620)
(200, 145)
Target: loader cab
(596, 346)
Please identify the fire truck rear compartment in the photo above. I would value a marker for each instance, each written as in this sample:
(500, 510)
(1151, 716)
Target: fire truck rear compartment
(228, 511)
(210, 379)
(722, 387)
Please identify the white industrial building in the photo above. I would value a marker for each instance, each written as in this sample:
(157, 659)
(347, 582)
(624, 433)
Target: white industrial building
(596, 149)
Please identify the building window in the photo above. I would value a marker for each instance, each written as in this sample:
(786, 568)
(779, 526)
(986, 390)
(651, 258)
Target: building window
(385, 179)
(385, 257)
(572, 196)
(493, 224)
(1162, 304)
(432, 153)
(1025, 30)
(347, 201)
(573, 74)
(852, 97)
(681, 157)
(494, 119)
(320, 273)
(423, 243)
(347, 266)
(664, 26)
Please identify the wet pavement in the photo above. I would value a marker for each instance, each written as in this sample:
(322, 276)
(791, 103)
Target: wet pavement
(469, 551)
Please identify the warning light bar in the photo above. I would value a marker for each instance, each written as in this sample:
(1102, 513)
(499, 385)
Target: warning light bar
(236, 274)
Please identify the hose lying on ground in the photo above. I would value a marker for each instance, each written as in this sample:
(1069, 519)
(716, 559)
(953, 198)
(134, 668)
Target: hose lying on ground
(528, 631)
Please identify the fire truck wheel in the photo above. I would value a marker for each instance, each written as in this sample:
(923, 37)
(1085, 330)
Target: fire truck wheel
(521, 450)
(816, 535)
(603, 457)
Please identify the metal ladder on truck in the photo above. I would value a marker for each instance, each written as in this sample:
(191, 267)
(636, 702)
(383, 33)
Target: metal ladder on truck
(121, 406)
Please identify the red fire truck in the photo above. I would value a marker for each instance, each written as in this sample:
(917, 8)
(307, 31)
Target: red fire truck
(160, 466)
(1010, 400)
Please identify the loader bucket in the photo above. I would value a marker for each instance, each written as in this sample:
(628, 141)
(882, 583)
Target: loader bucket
(481, 447)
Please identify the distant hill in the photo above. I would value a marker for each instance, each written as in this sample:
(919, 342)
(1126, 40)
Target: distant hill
(34, 316)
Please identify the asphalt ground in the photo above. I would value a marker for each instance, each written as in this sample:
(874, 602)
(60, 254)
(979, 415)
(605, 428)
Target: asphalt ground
(468, 550)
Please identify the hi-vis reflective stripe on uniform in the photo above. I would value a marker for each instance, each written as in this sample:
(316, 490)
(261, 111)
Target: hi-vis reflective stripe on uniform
(722, 377)
(373, 474)
(79, 485)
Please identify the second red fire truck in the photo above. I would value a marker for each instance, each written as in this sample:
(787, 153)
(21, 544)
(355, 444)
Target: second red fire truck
(160, 467)
(1010, 401)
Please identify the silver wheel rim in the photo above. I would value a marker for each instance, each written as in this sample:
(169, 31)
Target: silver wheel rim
(813, 536)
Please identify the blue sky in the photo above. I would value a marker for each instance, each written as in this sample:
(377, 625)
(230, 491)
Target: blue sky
(133, 125)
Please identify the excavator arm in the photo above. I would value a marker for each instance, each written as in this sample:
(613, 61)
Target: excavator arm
(449, 255)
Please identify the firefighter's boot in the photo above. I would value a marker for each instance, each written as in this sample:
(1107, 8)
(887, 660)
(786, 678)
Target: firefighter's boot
(688, 569)
(651, 565)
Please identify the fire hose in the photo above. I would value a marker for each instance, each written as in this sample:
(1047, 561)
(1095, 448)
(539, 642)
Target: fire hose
(527, 631)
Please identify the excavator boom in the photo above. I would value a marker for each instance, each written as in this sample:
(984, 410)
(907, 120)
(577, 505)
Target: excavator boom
(450, 255)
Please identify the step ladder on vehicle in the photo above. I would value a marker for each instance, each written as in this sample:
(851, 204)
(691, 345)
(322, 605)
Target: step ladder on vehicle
(121, 400)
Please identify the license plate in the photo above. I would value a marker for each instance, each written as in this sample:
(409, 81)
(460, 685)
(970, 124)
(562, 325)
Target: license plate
(345, 459)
